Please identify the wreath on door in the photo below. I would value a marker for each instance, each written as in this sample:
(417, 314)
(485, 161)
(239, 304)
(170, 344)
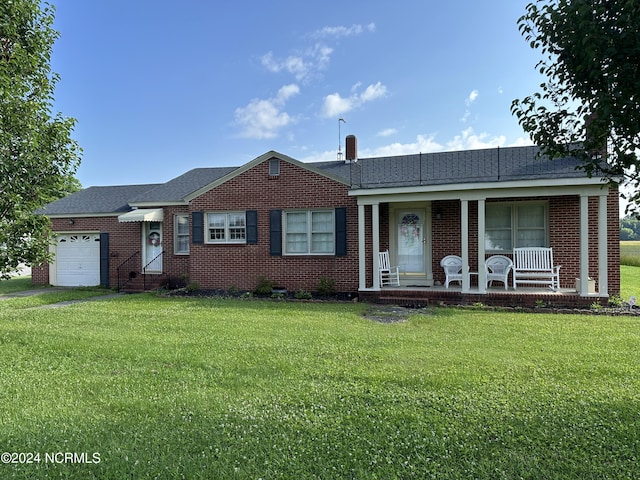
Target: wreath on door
(154, 239)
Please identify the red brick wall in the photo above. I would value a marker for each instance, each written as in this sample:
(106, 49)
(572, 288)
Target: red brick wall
(124, 239)
(240, 266)
(564, 236)
(613, 232)
(174, 265)
(446, 234)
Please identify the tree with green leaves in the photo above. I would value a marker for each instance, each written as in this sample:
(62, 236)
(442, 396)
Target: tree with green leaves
(37, 154)
(589, 104)
(629, 228)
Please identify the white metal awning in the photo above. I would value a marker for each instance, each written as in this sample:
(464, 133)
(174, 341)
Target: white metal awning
(142, 215)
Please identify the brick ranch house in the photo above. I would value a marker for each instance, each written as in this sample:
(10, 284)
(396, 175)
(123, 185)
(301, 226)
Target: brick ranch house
(295, 223)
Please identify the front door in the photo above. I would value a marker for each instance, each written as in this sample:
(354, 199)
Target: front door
(152, 247)
(411, 242)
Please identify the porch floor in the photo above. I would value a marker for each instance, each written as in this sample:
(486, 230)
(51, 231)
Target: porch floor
(495, 296)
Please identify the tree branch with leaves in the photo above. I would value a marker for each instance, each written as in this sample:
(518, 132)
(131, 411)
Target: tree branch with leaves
(589, 104)
(38, 157)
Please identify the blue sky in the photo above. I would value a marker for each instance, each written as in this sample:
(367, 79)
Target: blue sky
(160, 87)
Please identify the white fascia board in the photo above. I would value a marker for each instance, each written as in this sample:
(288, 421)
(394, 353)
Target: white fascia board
(157, 204)
(475, 191)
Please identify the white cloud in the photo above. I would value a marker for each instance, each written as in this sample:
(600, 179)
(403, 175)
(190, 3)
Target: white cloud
(335, 104)
(466, 140)
(423, 143)
(373, 92)
(471, 98)
(342, 31)
(286, 92)
(521, 142)
(301, 66)
(387, 132)
(307, 62)
(468, 102)
(263, 118)
(469, 140)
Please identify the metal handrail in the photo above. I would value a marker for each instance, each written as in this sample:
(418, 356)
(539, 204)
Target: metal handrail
(144, 270)
(126, 263)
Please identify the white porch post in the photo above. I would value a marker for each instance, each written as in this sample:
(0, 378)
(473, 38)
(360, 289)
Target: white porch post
(584, 245)
(603, 257)
(482, 274)
(362, 250)
(375, 234)
(464, 222)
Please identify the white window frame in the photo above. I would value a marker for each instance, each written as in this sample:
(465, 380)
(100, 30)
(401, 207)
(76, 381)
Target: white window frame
(227, 229)
(514, 228)
(177, 235)
(309, 233)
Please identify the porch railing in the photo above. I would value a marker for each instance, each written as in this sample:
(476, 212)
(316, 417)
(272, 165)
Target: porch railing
(128, 270)
(148, 271)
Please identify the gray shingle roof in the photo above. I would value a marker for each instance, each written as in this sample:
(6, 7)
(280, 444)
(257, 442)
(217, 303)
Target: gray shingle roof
(488, 165)
(113, 199)
(177, 189)
(441, 168)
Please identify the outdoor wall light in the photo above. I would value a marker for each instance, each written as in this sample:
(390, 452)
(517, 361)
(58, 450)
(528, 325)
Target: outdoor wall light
(71, 221)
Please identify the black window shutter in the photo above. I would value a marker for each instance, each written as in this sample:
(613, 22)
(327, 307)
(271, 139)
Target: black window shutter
(252, 226)
(104, 260)
(197, 228)
(341, 231)
(275, 232)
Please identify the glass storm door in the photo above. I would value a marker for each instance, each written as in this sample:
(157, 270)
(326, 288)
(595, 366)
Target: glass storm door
(411, 243)
(152, 246)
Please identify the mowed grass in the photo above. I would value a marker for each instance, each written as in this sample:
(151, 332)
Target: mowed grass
(16, 284)
(630, 282)
(210, 388)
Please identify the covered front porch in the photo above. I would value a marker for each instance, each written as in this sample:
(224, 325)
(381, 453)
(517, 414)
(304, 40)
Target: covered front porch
(420, 225)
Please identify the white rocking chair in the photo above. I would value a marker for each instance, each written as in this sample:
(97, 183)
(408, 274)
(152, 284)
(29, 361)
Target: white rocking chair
(388, 275)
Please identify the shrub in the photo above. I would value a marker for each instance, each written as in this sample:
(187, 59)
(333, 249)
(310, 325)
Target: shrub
(264, 286)
(326, 286)
(302, 295)
(174, 283)
(615, 301)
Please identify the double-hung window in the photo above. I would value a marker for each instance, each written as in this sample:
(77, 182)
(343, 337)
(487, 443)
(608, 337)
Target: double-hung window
(181, 229)
(226, 227)
(510, 225)
(309, 232)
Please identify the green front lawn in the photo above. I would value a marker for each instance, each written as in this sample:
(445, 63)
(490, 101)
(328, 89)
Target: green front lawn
(204, 388)
(16, 284)
(630, 282)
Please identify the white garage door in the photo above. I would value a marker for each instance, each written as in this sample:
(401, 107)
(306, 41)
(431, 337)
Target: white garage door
(78, 259)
